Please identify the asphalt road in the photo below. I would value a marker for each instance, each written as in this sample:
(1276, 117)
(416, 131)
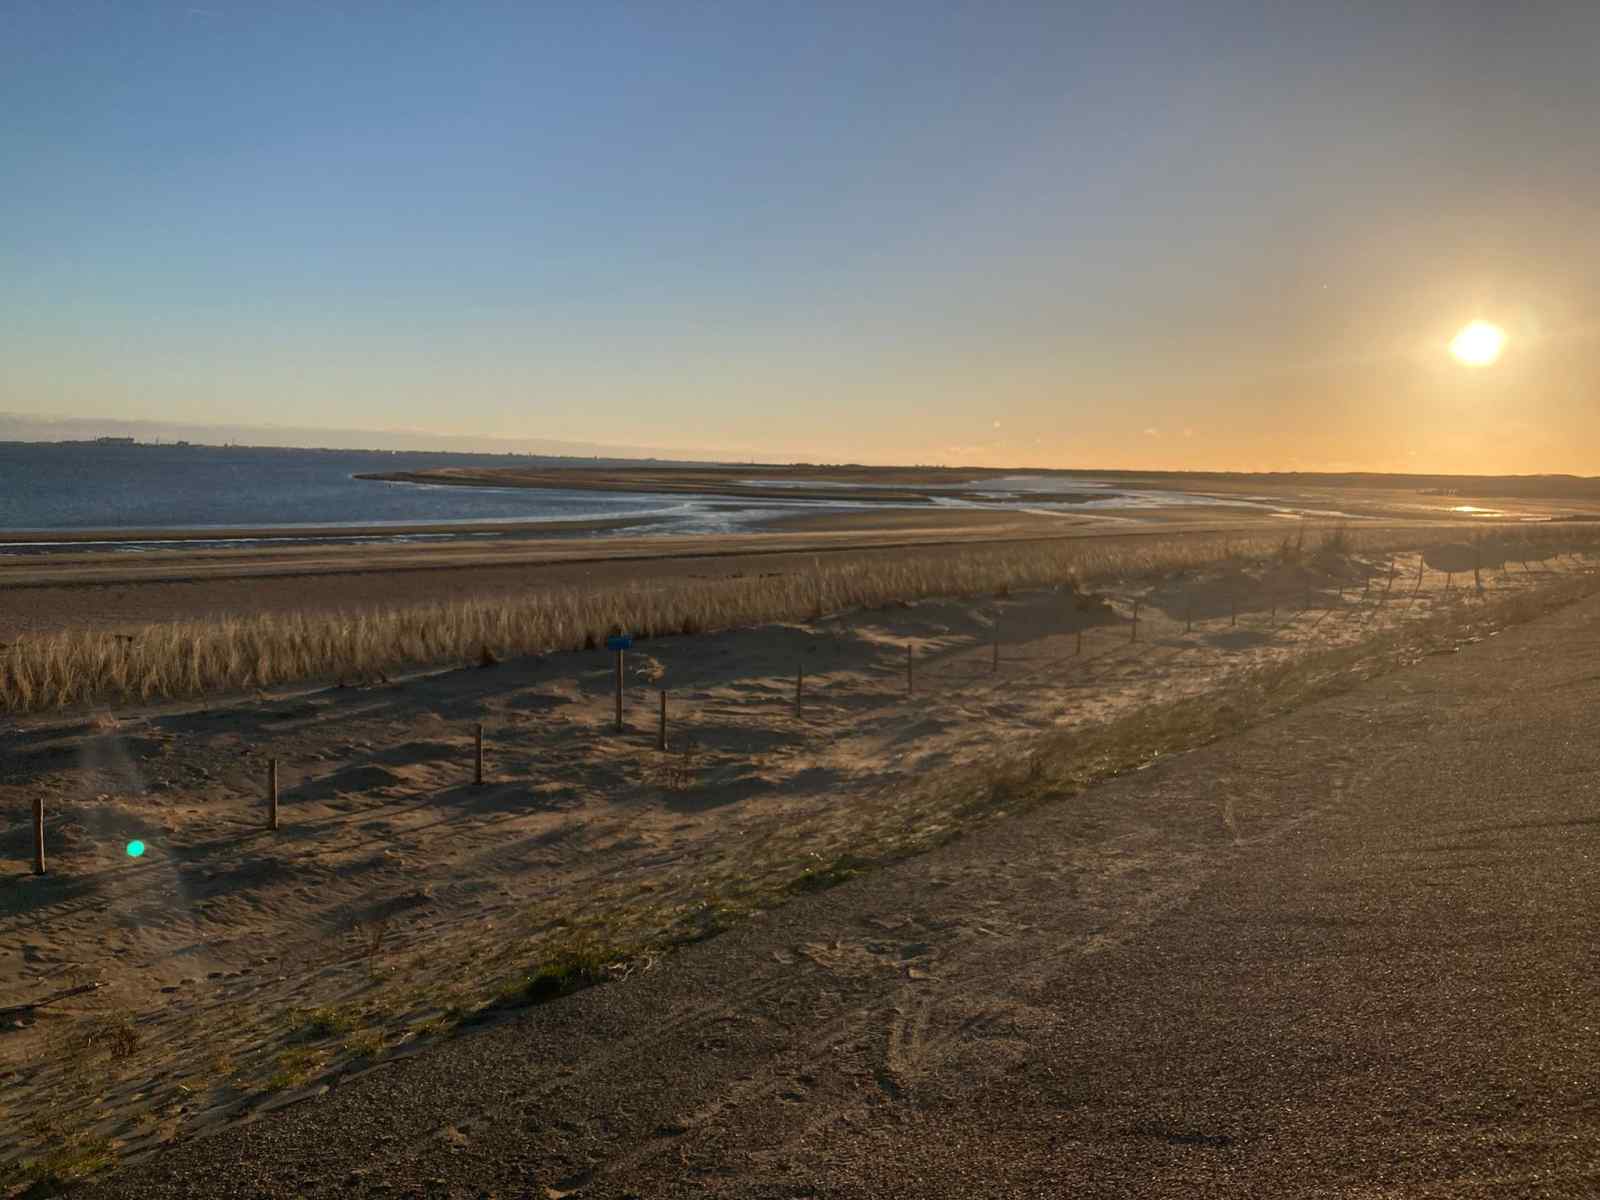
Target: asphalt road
(1347, 953)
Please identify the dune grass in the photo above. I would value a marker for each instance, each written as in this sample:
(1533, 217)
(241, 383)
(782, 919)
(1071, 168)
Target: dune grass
(189, 659)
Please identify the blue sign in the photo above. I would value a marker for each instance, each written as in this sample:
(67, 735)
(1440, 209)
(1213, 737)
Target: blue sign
(621, 642)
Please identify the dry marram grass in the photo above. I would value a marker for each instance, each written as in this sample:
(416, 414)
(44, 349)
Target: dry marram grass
(186, 659)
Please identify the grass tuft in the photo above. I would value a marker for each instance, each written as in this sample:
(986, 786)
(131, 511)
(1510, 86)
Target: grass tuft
(294, 1068)
(68, 1162)
(822, 876)
(582, 959)
(326, 1022)
(365, 1044)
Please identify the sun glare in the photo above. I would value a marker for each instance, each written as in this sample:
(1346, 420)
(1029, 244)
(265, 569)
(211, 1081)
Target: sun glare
(1478, 344)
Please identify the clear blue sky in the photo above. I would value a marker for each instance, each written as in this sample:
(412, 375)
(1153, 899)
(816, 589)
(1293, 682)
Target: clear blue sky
(1157, 235)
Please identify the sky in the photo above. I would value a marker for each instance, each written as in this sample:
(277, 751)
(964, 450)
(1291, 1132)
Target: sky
(1207, 236)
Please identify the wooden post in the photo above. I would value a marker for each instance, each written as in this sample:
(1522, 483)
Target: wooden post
(910, 672)
(1233, 607)
(272, 794)
(799, 687)
(619, 690)
(1308, 596)
(477, 758)
(661, 733)
(1188, 615)
(1079, 650)
(38, 835)
(1133, 632)
(994, 668)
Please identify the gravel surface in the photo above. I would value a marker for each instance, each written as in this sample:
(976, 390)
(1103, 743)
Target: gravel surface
(1347, 953)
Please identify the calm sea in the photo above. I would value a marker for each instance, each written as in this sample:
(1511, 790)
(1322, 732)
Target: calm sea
(86, 486)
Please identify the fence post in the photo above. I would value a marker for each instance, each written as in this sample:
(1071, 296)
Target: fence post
(1133, 633)
(38, 835)
(1188, 615)
(910, 671)
(995, 666)
(1308, 597)
(661, 733)
(272, 794)
(477, 757)
(619, 690)
(799, 686)
(1079, 650)
(1233, 607)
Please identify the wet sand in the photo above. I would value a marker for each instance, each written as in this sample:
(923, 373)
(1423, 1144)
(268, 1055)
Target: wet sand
(853, 485)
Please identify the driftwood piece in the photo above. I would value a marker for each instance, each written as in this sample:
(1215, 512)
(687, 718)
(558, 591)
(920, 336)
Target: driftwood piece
(18, 1010)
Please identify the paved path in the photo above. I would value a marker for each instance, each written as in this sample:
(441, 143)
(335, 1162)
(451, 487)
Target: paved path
(1348, 953)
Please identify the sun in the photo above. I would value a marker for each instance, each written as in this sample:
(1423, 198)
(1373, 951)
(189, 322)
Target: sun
(1478, 344)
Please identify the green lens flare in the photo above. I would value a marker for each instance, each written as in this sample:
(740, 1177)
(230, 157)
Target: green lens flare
(135, 849)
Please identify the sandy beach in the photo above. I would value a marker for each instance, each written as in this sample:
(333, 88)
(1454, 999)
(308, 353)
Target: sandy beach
(397, 893)
(239, 969)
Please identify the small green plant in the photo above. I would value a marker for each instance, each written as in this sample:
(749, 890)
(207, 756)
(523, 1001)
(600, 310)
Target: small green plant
(294, 1068)
(365, 1043)
(820, 876)
(581, 960)
(325, 1022)
(69, 1161)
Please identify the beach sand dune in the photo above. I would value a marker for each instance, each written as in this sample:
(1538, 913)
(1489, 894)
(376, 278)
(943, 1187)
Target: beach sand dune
(238, 968)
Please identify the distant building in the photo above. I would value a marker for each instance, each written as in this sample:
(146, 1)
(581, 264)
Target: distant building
(113, 441)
